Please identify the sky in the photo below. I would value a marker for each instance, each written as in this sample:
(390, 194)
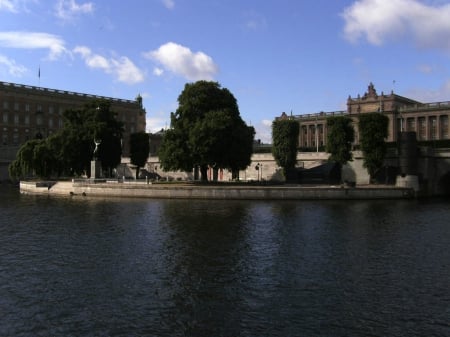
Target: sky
(293, 56)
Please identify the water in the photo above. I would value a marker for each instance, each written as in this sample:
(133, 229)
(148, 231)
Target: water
(121, 267)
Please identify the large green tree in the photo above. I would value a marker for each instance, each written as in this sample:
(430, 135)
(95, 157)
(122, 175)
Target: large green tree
(373, 130)
(95, 121)
(70, 150)
(340, 137)
(285, 143)
(139, 150)
(204, 131)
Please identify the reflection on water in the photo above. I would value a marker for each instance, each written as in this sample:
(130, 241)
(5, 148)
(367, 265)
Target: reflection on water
(98, 267)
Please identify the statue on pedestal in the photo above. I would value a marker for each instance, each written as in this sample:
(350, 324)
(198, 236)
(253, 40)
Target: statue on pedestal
(97, 143)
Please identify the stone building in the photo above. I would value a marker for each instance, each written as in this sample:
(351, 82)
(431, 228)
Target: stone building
(27, 112)
(428, 120)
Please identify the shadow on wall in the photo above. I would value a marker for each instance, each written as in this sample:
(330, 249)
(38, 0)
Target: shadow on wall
(327, 173)
(443, 185)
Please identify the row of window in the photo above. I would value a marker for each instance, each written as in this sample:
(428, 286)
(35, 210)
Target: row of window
(17, 138)
(51, 110)
(426, 128)
(17, 120)
(27, 107)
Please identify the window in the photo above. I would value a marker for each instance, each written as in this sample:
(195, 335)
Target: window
(5, 117)
(39, 120)
(16, 106)
(15, 138)
(444, 127)
(433, 127)
(50, 122)
(50, 109)
(27, 107)
(38, 108)
(5, 105)
(411, 124)
(27, 119)
(16, 119)
(422, 128)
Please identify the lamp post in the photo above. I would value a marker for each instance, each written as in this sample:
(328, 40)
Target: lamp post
(258, 168)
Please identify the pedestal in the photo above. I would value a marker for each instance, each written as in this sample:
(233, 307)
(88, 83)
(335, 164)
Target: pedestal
(95, 169)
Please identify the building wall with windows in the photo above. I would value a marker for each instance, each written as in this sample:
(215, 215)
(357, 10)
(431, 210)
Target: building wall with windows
(430, 121)
(28, 112)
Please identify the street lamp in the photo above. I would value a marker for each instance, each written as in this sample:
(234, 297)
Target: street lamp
(257, 168)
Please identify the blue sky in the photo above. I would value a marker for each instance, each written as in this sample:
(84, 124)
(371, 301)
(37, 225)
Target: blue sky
(303, 56)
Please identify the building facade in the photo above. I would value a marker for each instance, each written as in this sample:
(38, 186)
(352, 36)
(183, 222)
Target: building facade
(28, 112)
(430, 121)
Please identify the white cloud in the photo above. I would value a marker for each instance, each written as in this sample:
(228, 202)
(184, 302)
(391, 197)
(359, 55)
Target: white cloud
(427, 96)
(8, 5)
(255, 21)
(158, 71)
(169, 4)
(30, 40)
(183, 62)
(122, 68)
(426, 24)
(13, 68)
(425, 68)
(69, 9)
(155, 124)
(126, 71)
(264, 131)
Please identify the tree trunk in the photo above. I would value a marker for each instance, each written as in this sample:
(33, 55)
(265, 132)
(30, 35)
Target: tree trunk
(204, 172)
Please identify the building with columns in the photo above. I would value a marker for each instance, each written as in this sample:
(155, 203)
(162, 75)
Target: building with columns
(428, 120)
(27, 112)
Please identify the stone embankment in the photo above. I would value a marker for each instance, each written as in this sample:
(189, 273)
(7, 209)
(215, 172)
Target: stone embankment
(135, 189)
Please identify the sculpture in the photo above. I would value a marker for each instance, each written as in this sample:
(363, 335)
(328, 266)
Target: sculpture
(97, 142)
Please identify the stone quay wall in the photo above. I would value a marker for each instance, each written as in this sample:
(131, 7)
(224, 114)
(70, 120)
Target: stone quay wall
(103, 188)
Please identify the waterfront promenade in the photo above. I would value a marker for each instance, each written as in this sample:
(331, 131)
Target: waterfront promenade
(224, 191)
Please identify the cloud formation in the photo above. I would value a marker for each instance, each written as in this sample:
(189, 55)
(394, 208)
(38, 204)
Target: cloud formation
(377, 21)
(182, 61)
(34, 40)
(122, 67)
(169, 4)
(8, 5)
(69, 9)
(13, 68)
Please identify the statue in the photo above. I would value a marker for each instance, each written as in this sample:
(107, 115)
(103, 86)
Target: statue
(97, 142)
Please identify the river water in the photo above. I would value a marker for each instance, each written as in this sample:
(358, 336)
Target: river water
(140, 267)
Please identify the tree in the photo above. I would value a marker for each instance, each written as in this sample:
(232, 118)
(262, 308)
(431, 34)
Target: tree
(285, 143)
(82, 126)
(34, 157)
(70, 150)
(373, 130)
(340, 137)
(203, 129)
(139, 150)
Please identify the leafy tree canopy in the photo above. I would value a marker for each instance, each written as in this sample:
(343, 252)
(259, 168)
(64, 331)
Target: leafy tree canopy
(373, 130)
(206, 130)
(285, 142)
(340, 137)
(139, 149)
(70, 150)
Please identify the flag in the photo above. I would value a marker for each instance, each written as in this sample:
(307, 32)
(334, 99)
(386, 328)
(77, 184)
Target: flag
(39, 72)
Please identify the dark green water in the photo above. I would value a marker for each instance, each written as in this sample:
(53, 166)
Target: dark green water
(121, 267)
